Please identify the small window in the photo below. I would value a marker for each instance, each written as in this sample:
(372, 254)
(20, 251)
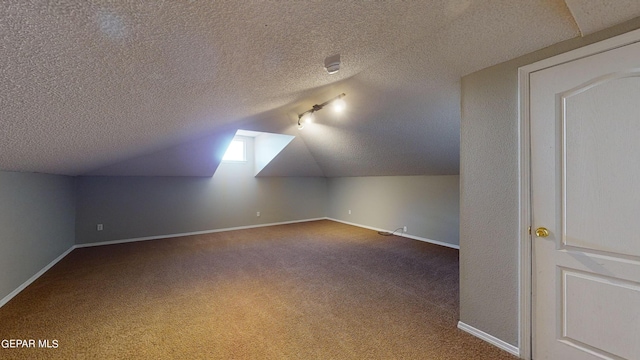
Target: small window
(236, 151)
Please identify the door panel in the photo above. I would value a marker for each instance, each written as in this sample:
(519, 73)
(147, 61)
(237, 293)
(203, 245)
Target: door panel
(604, 332)
(585, 168)
(601, 123)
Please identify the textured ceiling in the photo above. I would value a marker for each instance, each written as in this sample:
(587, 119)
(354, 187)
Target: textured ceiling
(140, 87)
(594, 15)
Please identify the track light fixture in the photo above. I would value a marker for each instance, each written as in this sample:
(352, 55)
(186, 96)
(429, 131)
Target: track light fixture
(307, 116)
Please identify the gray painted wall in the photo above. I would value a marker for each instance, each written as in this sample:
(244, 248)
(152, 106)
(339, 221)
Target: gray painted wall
(427, 205)
(37, 215)
(132, 207)
(489, 190)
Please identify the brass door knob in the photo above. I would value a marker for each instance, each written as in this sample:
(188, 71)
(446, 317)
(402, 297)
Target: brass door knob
(542, 232)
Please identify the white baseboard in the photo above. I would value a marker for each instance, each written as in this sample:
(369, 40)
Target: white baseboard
(167, 236)
(514, 350)
(77, 246)
(34, 277)
(436, 242)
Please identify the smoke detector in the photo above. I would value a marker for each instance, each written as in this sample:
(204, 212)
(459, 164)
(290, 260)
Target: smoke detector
(332, 64)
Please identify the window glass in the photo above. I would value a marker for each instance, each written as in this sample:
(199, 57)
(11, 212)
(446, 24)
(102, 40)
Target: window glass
(236, 151)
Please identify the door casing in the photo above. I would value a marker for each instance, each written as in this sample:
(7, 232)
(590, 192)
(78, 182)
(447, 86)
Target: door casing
(524, 167)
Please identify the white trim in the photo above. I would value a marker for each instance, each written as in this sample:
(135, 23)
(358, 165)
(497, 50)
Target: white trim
(588, 50)
(524, 218)
(167, 236)
(524, 150)
(436, 242)
(489, 338)
(15, 292)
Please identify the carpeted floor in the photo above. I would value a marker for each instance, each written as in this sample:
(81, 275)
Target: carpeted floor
(317, 290)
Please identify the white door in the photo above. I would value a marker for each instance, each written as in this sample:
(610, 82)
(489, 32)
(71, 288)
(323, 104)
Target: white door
(585, 167)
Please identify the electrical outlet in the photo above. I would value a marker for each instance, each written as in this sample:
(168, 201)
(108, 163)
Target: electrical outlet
(349, 212)
(404, 228)
(258, 214)
(100, 227)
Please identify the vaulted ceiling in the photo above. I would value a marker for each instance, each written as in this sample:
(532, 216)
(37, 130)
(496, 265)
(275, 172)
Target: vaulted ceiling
(155, 87)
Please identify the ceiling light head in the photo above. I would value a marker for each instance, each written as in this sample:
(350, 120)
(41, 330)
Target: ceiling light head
(339, 105)
(332, 64)
(305, 118)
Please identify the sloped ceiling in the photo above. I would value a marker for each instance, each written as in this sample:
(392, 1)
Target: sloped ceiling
(592, 16)
(139, 87)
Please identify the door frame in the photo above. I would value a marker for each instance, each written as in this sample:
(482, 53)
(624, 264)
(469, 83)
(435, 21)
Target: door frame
(525, 335)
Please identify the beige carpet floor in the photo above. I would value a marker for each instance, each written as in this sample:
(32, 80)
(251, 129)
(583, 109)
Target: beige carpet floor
(316, 290)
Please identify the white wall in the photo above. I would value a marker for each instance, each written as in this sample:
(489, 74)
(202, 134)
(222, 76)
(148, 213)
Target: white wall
(489, 190)
(132, 207)
(37, 215)
(427, 205)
